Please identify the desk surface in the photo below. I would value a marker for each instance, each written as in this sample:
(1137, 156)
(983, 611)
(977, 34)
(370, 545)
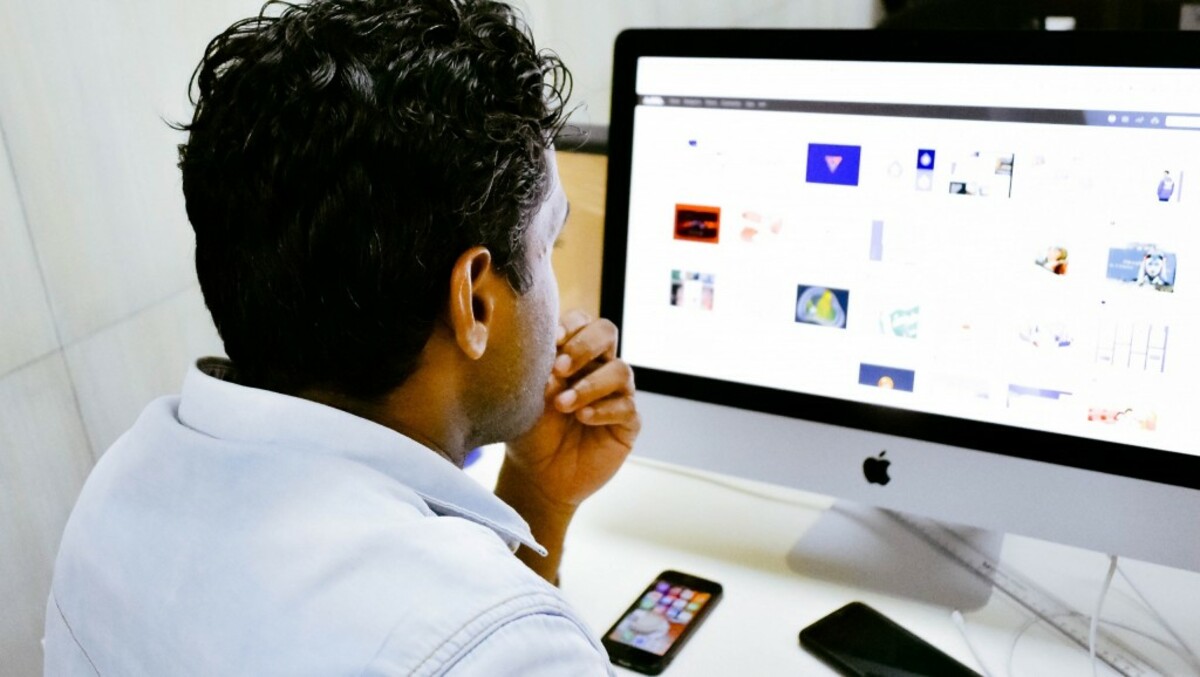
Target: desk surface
(651, 518)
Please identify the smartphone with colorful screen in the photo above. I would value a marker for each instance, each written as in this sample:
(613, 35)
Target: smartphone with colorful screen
(655, 627)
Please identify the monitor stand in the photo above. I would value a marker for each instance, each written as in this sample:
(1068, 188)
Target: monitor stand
(868, 547)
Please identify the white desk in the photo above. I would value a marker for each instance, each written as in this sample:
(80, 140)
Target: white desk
(648, 519)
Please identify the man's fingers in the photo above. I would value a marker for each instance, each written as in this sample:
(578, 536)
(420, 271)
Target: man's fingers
(612, 411)
(611, 378)
(597, 340)
(570, 324)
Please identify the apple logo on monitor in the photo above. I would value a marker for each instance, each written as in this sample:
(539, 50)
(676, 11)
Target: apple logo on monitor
(875, 468)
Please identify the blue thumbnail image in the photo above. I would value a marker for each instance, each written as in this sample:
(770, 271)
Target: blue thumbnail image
(891, 378)
(822, 306)
(1142, 265)
(829, 163)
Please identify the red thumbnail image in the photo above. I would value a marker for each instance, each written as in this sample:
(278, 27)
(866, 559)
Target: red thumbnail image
(697, 223)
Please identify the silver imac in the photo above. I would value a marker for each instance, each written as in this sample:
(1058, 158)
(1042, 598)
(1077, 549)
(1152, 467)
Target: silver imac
(950, 275)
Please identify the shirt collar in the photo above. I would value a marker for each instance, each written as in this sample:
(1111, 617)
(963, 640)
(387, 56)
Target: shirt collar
(213, 404)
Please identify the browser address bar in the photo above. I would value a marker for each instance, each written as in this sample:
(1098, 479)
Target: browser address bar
(1184, 121)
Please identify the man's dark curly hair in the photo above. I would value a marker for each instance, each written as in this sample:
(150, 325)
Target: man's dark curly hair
(341, 156)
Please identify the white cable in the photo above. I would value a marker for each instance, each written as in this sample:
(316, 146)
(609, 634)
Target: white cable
(1112, 569)
(1034, 620)
(961, 624)
(1012, 648)
(1186, 651)
(1145, 635)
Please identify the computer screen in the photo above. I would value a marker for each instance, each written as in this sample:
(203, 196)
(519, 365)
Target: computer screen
(966, 255)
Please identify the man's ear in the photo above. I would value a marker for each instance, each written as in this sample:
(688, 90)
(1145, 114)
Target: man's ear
(473, 289)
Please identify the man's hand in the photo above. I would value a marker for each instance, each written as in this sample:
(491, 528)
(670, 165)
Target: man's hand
(590, 421)
(582, 438)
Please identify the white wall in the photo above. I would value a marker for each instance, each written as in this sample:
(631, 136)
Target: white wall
(100, 311)
(582, 31)
(100, 306)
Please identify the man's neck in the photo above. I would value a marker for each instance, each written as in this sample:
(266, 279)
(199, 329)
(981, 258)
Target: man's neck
(415, 411)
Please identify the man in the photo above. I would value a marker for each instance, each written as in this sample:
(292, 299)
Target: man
(375, 201)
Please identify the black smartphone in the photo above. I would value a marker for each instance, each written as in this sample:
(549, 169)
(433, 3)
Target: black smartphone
(655, 627)
(858, 641)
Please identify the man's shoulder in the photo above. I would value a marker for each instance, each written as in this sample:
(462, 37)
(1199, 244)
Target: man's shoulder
(272, 550)
(333, 585)
(475, 603)
(443, 589)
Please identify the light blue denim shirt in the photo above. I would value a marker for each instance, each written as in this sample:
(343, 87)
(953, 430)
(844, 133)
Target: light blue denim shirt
(235, 531)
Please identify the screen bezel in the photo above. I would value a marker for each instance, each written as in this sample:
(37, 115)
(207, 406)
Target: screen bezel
(649, 662)
(1110, 48)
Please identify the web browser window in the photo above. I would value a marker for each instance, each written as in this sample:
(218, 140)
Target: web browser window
(1015, 247)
